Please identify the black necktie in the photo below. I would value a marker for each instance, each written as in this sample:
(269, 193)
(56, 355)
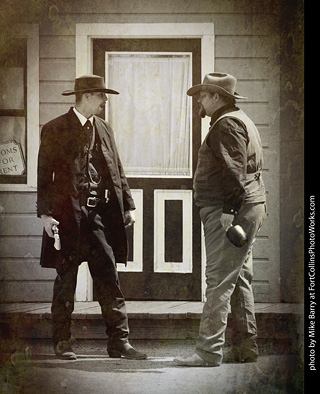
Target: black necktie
(89, 130)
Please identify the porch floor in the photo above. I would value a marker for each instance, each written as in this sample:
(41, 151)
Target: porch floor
(147, 320)
(143, 309)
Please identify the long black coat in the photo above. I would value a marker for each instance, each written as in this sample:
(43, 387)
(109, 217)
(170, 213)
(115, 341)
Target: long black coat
(61, 164)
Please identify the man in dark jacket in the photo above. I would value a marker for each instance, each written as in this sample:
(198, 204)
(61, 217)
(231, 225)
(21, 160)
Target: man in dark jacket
(231, 196)
(85, 200)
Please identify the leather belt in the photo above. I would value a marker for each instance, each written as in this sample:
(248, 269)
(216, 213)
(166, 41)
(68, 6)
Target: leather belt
(92, 201)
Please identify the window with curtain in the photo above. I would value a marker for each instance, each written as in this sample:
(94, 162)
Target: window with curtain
(13, 136)
(152, 114)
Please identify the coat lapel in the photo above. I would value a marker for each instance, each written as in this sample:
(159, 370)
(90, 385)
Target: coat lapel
(105, 137)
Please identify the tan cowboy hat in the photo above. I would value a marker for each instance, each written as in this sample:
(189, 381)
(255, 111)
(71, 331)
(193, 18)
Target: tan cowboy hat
(89, 83)
(223, 84)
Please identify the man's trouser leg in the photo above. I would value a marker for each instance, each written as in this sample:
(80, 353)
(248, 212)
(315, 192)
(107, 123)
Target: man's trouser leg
(104, 273)
(224, 264)
(63, 302)
(244, 330)
(94, 249)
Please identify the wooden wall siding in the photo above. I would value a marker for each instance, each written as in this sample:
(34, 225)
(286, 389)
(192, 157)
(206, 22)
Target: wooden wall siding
(246, 44)
(146, 7)
(21, 277)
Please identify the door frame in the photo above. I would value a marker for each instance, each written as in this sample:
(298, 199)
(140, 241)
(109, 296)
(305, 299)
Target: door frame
(86, 32)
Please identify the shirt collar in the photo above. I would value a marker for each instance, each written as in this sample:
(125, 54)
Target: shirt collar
(82, 118)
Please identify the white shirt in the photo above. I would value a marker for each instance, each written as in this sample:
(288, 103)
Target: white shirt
(82, 118)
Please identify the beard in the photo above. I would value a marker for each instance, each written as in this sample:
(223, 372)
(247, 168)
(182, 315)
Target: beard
(202, 112)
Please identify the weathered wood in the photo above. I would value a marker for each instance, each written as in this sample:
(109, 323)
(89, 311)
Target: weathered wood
(50, 92)
(24, 269)
(22, 224)
(18, 202)
(251, 69)
(50, 70)
(174, 321)
(21, 247)
(57, 47)
(26, 291)
(149, 309)
(224, 24)
(176, 7)
(244, 46)
(51, 111)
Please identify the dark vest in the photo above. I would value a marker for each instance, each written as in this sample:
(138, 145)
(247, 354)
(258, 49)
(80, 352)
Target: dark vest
(207, 178)
(97, 173)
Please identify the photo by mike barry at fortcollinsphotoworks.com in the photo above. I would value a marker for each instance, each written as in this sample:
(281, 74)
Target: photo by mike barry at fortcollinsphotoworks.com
(311, 303)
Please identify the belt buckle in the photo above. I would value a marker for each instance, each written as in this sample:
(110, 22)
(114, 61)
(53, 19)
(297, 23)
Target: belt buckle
(92, 202)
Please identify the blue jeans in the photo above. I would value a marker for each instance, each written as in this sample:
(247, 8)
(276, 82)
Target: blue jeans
(228, 276)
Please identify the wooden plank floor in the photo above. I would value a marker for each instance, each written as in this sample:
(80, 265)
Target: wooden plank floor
(145, 309)
(148, 320)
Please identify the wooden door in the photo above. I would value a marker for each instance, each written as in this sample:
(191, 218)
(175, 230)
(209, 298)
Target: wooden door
(165, 253)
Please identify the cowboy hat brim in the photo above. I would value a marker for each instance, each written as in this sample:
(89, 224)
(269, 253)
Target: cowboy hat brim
(212, 89)
(69, 92)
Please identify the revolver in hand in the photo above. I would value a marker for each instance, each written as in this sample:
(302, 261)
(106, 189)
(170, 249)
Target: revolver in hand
(57, 243)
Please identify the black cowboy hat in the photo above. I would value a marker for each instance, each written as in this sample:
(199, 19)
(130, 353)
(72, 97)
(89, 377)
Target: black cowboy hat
(89, 83)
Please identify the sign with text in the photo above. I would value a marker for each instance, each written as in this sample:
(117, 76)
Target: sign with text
(11, 159)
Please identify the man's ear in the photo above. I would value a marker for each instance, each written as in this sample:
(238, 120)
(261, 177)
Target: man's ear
(216, 96)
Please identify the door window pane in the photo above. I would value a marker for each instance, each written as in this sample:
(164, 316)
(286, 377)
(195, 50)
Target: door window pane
(151, 117)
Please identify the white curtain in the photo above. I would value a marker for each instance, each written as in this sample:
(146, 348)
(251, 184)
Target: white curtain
(151, 116)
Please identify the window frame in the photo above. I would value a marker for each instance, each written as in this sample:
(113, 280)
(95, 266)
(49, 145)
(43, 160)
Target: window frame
(31, 33)
(130, 173)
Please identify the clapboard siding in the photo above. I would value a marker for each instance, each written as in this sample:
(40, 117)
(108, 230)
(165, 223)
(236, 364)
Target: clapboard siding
(20, 247)
(167, 6)
(50, 92)
(26, 291)
(244, 24)
(243, 47)
(57, 47)
(52, 110)
(20, 224)
(28, 269)
(18, 203)
(246, 69)
(246, 45)
(50, 70)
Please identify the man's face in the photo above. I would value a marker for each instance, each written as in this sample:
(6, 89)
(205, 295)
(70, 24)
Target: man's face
(96, 102)
(207, 104)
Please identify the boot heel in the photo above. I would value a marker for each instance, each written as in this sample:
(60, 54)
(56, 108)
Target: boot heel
(114, 354)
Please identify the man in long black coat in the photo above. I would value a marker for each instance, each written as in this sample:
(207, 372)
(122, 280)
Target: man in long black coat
(83, 195)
